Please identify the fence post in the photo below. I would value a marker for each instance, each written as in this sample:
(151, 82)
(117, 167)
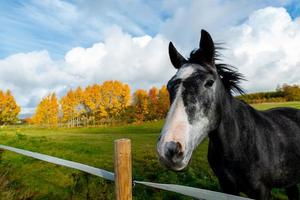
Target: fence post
(123, 170)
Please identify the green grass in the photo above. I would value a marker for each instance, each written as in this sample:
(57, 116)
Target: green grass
(92, 146)
(265, 106)
(26, 178)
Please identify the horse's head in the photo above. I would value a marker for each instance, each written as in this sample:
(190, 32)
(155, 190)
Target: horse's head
(193, 99)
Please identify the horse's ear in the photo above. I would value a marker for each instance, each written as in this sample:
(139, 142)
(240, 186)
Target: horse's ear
(176, 58)
(207, 46)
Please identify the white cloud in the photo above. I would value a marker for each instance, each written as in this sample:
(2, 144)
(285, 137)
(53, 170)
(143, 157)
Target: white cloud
(30, 76)
(265, 49)
(216, 16)
(140, 61)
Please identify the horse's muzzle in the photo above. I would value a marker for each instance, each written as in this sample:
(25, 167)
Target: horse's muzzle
(173, 156)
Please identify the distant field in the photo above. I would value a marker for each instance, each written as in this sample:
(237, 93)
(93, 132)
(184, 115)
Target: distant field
(26, 178)
(265, 106)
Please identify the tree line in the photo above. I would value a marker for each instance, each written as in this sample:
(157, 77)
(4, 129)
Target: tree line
(283, 93)
(112, 102)
(106, 103)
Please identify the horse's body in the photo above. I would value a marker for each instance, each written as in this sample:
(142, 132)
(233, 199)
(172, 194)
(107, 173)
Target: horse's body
(253, 151)
(250, 151)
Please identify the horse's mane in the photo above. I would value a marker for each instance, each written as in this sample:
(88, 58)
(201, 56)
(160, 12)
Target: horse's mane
(229, 75)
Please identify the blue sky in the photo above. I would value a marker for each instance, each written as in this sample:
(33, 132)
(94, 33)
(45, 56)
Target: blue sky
(33, 26)
(55, 45)
(293, 8)
(37, 25)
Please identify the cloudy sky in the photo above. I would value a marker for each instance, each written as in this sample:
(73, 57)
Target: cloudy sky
(55, 45)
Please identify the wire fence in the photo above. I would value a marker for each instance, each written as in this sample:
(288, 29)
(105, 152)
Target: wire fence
(185, 190)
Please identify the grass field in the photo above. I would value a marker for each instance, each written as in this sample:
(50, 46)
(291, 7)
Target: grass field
(264, 106)
(26, 178)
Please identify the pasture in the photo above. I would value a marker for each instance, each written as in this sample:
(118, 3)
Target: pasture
(26, 178)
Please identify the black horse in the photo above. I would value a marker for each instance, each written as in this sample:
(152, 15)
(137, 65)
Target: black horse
(250, 151)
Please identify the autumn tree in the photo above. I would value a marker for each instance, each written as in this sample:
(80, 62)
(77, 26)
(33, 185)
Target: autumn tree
(95, 104)
(38, 117)
(102, 103)
(291, 92)
(153, 103)
(115, 98)
(141, 104)
(9, 109)
(163, 102)
(68, 104)
(73, 108)
(53, 110)
(46, 113)
(92, 101)
(80, 107)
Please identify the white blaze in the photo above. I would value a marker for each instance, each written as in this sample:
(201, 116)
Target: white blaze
(185, 72)
(177, 125)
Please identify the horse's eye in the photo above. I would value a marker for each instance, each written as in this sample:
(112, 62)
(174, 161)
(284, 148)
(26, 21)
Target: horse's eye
(209, 83)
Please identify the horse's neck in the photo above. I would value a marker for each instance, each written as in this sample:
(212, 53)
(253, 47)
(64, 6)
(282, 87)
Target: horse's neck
(234, 117)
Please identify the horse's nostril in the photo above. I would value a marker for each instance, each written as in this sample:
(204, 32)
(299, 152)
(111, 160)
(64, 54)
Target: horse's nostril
(174, 151)
(179, 147)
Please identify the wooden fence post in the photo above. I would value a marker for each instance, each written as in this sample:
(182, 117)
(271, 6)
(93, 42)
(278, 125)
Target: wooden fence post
(123, 170)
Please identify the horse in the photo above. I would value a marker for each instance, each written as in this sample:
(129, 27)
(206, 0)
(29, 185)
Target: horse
(249, 151)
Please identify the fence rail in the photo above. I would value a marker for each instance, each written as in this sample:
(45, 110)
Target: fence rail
(121, 161)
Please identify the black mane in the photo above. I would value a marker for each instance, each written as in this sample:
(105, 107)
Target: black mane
(229, 75)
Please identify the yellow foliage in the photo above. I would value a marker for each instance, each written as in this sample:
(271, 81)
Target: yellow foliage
(9, 109)
(47, 111)
(153, 103)
(68, 104)
(163, 102)
(101, 103)
(115, 97)
(141, 104)
(95, 103)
